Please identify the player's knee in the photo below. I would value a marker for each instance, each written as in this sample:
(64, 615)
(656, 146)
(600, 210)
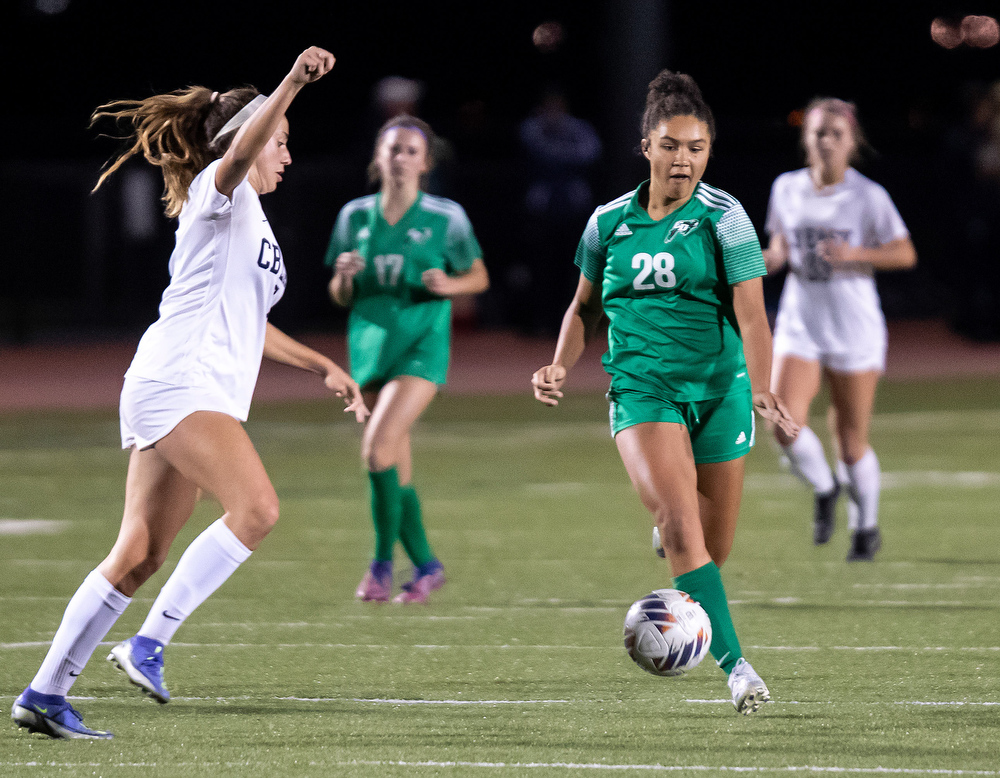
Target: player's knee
(852, 447)
(258, 517)
(266, 511)
(378, 457)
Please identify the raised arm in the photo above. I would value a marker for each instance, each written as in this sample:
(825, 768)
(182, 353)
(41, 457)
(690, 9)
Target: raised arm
(748, 302)
(578, 327)
(311, 65)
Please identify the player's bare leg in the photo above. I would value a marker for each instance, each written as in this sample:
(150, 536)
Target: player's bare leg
(852, 404)
(797, 381)
(396, 512)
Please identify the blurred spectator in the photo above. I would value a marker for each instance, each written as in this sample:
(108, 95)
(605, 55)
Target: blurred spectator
(561, 150)
(974, 168)
(396, 95)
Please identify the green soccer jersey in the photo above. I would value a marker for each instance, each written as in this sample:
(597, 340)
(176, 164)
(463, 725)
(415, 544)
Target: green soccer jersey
(665, 286)
(396, 326)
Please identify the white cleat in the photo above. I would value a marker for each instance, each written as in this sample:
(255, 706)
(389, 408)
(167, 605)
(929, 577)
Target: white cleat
(749, 691)
(658, 544)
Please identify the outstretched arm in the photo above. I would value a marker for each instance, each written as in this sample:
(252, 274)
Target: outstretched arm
(311, 65)
(282, 348)
(578, 327)
(748, 302)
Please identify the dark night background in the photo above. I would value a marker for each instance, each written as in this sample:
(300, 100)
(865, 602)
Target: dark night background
(80, 265)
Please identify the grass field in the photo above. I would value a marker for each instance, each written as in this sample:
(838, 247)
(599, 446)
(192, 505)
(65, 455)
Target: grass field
(517, 667)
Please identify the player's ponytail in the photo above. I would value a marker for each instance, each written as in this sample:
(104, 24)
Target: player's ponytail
(176, 133)
(675, 94)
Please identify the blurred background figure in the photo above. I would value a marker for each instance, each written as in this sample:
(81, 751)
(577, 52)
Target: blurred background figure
(973, 165)
(399, 258)
(833, 228)
(398, 95)
(561, 152)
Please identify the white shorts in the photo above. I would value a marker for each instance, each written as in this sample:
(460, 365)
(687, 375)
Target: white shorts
(863, 352)
(148, 410)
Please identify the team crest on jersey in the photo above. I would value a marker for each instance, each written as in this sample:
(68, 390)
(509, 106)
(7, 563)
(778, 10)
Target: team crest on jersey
(683, 227)
(419, 236)
(623, 230)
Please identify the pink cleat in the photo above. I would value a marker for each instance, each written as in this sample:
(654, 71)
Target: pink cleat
(419, 589)
(372, 589)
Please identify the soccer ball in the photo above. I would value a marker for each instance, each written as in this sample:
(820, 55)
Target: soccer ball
(667, 633)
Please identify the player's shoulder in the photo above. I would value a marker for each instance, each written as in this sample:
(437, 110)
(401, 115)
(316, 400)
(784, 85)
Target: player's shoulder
(358, 205)
(606, 217)
(793, 179)
(441, 206)
(717, 202)
(857, 180)
(616, 206)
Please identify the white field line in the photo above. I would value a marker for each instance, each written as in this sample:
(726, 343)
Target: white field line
(902, 479)
(691, 700)
(677, 768)
(32, 526)
(929, 586)
(428, 702)
(517, 767)
(517, 646)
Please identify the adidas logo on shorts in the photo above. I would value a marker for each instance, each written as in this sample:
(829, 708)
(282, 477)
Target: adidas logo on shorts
(742, 438)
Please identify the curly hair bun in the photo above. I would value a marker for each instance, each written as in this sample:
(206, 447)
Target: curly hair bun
(673, 94)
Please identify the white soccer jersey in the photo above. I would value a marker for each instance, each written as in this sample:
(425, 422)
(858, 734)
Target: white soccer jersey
(829, 313)
(226, 272)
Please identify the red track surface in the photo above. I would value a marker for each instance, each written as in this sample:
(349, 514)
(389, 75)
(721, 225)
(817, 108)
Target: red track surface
(90, 375)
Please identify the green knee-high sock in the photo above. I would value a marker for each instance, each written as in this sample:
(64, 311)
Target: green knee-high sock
(704, 584)
(386, 511)
(411, 528)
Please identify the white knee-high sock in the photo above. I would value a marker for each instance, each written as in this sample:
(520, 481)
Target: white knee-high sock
(90, 615)
(808, 461)
(853, 515)
(204, 566)
(865, 480)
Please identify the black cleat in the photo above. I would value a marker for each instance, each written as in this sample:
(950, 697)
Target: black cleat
(864, 544)
(824, 515)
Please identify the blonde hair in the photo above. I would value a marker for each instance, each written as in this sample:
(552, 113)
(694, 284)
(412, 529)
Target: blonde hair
(846, 110)
(175, 132)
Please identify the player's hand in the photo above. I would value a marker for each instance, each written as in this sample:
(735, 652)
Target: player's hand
(771, 408)
(311, 65)
(837, 252)
(349, 264)
(548, 382)
(344, 386)
(437, 281)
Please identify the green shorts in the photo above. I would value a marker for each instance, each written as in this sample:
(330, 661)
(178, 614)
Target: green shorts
(721, 429)
(390, 341)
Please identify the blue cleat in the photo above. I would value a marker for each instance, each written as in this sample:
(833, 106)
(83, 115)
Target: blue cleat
(141, 659)
(51, 715)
